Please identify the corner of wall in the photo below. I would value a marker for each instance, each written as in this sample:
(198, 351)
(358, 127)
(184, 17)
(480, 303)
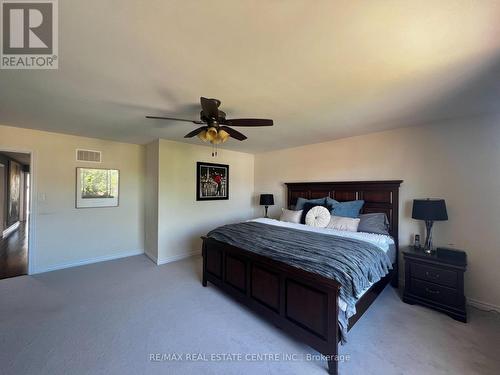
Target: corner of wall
(151, 200)
(153, 258)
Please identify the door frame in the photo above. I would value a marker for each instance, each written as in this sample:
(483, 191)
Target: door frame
(32, 206)
(3, 190)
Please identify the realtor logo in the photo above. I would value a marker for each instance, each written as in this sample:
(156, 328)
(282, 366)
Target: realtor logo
(29, 34)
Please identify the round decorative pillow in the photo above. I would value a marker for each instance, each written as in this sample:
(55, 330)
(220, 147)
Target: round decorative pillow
(318, 216)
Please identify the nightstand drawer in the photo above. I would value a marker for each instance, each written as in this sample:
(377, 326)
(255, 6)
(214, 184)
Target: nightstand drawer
(434, 275)
(437, 293)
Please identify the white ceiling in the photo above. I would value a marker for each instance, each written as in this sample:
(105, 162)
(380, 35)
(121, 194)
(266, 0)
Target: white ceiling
(322, 70)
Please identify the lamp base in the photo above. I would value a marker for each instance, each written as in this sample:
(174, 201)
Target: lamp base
(428, 239)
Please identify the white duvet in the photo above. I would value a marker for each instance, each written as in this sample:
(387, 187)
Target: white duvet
(381, 241)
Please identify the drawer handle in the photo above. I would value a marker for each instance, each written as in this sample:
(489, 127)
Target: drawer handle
(431, 291)
(432, 275)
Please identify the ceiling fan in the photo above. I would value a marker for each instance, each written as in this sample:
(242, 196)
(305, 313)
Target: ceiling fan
(215, 127)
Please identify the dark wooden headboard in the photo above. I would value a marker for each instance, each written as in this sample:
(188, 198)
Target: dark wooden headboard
(379, 196)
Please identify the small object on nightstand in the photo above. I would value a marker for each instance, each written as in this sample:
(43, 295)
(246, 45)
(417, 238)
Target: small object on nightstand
(266, 200)
(417, 241)
(436, 280)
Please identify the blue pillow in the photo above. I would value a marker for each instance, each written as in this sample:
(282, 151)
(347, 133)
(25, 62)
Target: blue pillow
(332, 202)
(348, 209)
(301, 201)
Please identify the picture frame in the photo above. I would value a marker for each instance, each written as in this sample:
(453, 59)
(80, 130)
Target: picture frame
(97, 187)
(212, 181)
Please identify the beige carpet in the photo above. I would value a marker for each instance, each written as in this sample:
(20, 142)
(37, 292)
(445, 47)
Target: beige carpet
(109, 318)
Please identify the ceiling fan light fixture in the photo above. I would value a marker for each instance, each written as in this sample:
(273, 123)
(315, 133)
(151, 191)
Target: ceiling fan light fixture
(216, 128)
(222, 136)
(211, 134)
(203, 136)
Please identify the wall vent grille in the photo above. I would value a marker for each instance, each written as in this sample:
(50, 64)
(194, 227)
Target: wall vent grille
(89, 155)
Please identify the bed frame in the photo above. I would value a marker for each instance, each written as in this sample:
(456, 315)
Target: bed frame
(301, 303)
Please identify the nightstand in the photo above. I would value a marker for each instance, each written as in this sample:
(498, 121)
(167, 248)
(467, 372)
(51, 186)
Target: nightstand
(436, 280)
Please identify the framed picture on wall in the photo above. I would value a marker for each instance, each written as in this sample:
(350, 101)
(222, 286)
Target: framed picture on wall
(212, 181)
(97, 187)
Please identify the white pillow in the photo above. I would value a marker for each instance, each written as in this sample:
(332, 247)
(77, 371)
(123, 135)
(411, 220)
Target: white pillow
(290, 216)
(343, 223)
(318, 216)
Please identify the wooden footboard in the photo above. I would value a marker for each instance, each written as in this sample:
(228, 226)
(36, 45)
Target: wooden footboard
(301, 303)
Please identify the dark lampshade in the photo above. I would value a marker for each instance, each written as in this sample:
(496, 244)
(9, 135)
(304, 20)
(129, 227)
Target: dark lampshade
(266, 199)
(429, 209)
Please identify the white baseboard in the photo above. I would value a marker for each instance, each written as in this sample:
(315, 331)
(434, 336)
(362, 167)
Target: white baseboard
(173, 258)
(88, 261)
(10, 229)
(483, 305)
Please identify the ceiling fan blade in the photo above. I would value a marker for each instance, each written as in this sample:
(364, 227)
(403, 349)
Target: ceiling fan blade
(248, 122)
(175, 119)
(195, 132)
(210, 107)
(233, 133)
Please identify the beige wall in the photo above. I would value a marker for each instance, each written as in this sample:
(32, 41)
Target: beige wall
(181, 219)
(458, 162)
(64, 235)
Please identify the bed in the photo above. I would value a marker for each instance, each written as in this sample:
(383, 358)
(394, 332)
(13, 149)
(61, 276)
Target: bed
(305, 304)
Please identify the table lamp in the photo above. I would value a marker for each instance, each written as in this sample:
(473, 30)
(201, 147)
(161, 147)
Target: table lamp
(429, 210)
(266, 200)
